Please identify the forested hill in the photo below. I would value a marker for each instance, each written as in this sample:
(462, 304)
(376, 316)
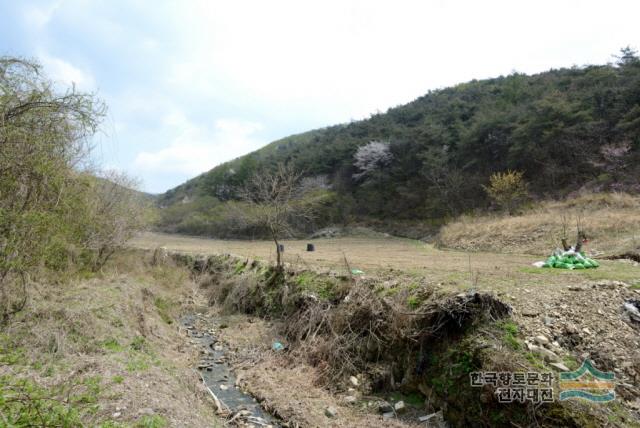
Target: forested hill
(565, 129)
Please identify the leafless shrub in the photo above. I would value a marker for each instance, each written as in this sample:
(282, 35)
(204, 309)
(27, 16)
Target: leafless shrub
(317, 182)
(273, 198)
(114, 214)
(365, 329)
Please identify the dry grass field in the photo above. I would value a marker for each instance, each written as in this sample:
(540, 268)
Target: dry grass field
(395, 256)
(610, 220)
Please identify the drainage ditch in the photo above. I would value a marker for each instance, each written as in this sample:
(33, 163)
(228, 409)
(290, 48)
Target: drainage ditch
(238, 407)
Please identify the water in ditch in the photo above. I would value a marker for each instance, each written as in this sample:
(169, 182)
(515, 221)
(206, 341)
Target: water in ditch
(218, 377)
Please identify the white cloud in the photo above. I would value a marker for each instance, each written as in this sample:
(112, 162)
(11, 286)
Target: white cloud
(65, 73)
(195, 149)
(290, 65)
(346, 59)
(38, 16)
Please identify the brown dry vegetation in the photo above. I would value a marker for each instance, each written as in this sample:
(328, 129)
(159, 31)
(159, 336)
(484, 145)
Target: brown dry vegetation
(334, 328)
(611, 221)
(383, 329)
(112, 340)
(405, 261)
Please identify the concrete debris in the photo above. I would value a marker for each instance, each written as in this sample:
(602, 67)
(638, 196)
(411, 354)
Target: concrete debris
(570, 328)
(385, 407)
(434, 420)
(350, 399)
(548, 355)
(631, 308)
(560, 367)
(388, 415)
(541, 340)
(331, 412)
(354, 381)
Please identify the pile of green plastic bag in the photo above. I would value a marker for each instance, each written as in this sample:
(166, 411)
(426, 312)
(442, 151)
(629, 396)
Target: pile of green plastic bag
(570, 260)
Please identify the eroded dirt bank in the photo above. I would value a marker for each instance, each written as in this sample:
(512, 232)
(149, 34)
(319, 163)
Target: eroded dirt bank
(392, 351)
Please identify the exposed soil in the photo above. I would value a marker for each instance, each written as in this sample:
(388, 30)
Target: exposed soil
(588, 321)
(630, 255)
(284, 386)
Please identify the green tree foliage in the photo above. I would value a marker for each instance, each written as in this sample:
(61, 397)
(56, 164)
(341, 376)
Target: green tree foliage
(507, 189)
(47, 204)
(43, 135)
(552, 126)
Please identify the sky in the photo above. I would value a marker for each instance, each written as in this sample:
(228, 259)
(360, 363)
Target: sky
(190, 84)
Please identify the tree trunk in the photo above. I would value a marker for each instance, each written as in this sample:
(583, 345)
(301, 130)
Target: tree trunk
(278, 261)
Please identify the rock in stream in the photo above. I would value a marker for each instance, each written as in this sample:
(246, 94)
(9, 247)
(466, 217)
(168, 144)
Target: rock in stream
(221, 381)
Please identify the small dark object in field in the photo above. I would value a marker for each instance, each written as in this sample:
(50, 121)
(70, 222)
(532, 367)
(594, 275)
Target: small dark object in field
(311, 247)
(281, 247)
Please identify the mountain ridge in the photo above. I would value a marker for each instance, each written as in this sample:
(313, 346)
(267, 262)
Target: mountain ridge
(566, 129)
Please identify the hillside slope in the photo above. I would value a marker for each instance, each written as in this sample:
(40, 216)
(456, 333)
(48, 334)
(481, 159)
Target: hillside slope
(611, 222)
(565, 129)
(102, 350)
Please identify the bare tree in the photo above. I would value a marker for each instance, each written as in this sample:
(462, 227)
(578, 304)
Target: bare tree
(275, 200)
(114, 212)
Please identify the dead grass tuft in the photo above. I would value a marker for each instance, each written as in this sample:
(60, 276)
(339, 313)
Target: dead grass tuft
(364, 329)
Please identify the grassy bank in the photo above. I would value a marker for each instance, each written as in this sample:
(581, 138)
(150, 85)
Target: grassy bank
(610, 220)
(103, 350)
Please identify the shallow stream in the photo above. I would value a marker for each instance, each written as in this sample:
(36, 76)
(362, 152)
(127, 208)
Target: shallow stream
(218, 377)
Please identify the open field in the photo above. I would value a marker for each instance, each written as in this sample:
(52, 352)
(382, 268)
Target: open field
(395, 256)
